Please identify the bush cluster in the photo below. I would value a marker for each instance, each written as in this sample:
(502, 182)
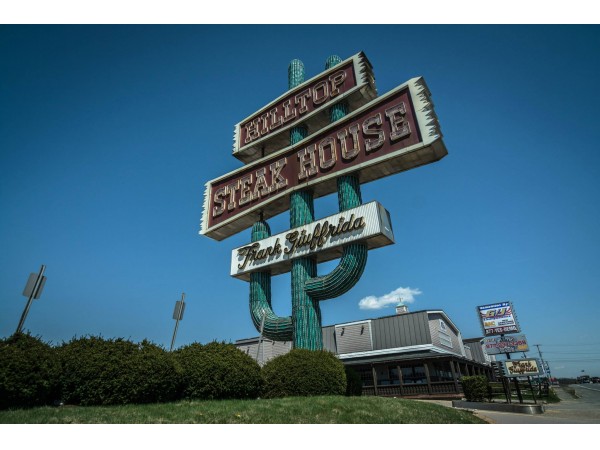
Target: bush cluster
(304, 373)
(98, 371)
(29, 372)
(93, 370)
(476, 388)
(217, 371)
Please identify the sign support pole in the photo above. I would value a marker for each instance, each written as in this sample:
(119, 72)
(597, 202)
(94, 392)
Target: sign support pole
(506, 381)
(33, 294)
(177, 322)
(516, 383)
(532, 390)
(262, 327)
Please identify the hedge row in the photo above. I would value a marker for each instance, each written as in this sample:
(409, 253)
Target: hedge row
(476, 388)
(98, 371)
(29, 372)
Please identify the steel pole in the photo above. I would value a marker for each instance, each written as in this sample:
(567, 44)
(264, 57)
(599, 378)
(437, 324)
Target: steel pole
(542, 360)
(177, 323)
(31, 295)
(262, 327)
(174, 334)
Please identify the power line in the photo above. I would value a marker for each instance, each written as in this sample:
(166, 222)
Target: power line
(570, 345)
(572, 360)
(573, 353)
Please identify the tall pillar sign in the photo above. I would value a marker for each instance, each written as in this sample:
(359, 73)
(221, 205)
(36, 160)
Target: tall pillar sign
(328, 134)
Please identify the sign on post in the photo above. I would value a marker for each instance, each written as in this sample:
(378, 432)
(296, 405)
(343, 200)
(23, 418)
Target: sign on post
(521, 367)
(179, 309)
(505, 344)
(33, 290)
(498, 318)
(328, 134)
(177, 316)
(30, 288)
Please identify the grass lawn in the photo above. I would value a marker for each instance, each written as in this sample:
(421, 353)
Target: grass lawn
(293, 410)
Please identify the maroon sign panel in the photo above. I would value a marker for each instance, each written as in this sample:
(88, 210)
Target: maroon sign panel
(386, 136)
(267, 131)
(296, 105)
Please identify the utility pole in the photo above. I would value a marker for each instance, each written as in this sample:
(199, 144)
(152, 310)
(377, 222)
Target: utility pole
(33, 290)
(542, 360)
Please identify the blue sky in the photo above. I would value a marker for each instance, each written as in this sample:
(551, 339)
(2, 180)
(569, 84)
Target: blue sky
(109, 133)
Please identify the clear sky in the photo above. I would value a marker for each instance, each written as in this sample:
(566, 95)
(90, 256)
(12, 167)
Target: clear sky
(109, 133)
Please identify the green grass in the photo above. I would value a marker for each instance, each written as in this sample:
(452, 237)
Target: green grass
(292, 410)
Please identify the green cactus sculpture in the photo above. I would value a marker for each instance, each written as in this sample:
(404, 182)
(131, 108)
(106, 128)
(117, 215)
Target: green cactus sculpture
(303, 328)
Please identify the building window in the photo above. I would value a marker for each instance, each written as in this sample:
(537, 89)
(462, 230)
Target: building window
(394, 377)
(382, 376)
(366, 375)
(441, 371)
(413, 375)
(387, 375)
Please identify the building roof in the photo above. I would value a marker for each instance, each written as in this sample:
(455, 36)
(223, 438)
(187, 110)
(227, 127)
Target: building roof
(428, 311)
(472, 340)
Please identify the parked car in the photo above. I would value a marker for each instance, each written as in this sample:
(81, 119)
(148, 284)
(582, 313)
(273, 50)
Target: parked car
(595, 379)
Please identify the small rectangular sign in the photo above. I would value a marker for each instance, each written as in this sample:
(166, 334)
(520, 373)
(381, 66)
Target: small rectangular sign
(505, 344)
(267, 130)
(393, 133)
(521, 367)
(498, 318)
(30, 286)
(323, 238)
(179, 309)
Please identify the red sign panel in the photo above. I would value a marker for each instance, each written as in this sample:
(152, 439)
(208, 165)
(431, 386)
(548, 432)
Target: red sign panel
(268, 129)
(294, 106)
(394, 132)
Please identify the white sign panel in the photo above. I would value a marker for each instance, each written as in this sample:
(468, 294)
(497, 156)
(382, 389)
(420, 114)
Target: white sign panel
(498, 318)
(323, 238)
(521, 367)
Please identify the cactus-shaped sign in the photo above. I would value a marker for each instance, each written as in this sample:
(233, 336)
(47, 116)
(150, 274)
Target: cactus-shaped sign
(303, 145)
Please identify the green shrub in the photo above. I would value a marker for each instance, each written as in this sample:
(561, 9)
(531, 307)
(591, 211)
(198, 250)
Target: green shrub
(304, 373)
(353, 383)
(217, 371)
(475, 388)
(28, 372)
(98, 371)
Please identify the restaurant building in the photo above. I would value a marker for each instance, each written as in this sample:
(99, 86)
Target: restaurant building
(409, 354)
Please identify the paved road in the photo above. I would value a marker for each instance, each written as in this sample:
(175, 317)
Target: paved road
(570, 410)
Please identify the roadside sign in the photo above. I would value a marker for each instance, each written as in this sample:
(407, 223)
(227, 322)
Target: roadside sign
(395, 132)
(267, 130)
